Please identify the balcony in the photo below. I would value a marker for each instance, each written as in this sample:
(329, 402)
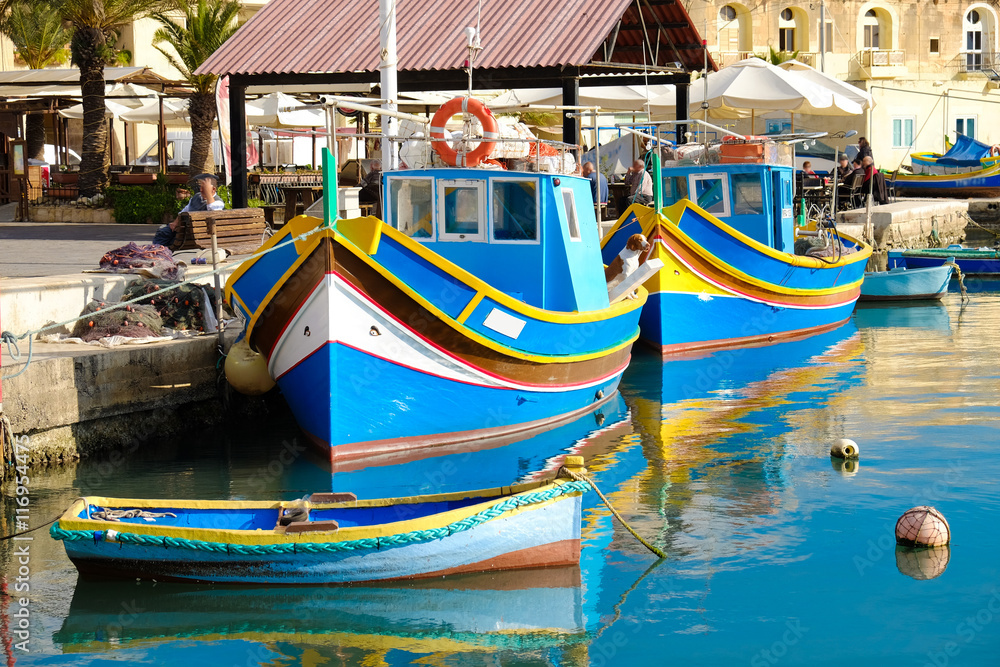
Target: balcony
(881, 63)
(726, 58)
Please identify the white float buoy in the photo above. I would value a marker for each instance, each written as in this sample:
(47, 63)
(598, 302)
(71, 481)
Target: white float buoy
(845, 449)
(922, 526)
(246, 370)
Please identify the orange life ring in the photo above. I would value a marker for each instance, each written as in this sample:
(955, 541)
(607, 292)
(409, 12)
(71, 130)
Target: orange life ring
(477, 109)
(995, 150)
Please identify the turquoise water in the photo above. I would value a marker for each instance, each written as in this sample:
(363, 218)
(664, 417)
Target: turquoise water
(776, 554)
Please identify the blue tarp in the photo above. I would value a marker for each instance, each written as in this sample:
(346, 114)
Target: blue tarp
(965, 152)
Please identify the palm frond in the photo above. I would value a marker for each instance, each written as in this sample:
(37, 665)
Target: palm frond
(206, 27)
(37, 33)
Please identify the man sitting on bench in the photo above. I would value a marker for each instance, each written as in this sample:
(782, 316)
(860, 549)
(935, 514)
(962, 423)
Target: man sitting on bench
(205, 199)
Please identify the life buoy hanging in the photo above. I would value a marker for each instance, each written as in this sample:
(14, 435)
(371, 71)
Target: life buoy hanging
(464, 105)
(995, 150)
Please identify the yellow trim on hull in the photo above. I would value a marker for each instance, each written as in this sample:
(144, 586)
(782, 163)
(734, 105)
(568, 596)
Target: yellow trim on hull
(71, 521)
(483, 289)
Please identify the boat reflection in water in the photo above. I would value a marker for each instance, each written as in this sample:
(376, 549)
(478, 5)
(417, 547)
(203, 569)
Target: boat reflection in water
(925, 315)
(481, 613)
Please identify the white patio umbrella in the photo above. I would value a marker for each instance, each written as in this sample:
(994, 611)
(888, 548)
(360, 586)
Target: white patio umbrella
(131, 95)
(281, 110)
(758, 85)
(612, 98)
(853, 93)
(112, 110)
(175, 113)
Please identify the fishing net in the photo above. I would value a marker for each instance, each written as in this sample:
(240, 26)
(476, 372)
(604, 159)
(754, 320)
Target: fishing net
(181, 308)
(155, 260)
(130, 322)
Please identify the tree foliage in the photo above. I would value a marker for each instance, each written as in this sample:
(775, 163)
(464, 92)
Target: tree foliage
(36, 30)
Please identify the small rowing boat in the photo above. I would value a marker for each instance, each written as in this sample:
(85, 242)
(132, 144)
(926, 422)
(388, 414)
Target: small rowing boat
(329, 538)
(904, 284)
(971, 261)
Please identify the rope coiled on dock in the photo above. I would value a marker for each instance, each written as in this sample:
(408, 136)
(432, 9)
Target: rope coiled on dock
(400, 539)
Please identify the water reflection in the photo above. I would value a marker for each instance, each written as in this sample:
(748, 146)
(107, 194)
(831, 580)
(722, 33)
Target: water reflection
(922, 564)
(919, 314)
(481, 613)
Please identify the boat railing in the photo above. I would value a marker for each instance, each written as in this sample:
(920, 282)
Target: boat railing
(733, 148)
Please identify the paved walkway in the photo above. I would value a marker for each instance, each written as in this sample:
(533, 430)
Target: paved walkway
(34, 249)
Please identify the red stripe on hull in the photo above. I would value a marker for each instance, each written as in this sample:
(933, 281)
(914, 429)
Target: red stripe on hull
(747, 341)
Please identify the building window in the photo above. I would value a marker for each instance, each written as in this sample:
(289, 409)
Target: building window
(973, 42)
(871, 30)
(935, 45)
(786, 30)
(966, 125)
(902, 132)
(828, 37)
(734, 29)
(727, 13)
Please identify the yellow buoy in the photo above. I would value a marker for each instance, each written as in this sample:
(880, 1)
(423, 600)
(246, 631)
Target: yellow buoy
(246, 370)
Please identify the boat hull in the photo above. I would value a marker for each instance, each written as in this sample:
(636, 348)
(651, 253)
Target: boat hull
(979, 183)
(720, 289)
(540, 529)
(906, 284)
(369, 367)
(970, 261)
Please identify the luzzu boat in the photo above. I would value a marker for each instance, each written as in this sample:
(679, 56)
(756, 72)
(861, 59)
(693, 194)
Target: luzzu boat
(970, 261)
(479, 308)
(730, 276)
(970, 168)
(329, 539)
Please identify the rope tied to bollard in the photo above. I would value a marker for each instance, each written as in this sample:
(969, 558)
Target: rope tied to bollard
(961, 280)
(583, 477)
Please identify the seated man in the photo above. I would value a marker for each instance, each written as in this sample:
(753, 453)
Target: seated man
(205, 199)
(640, 186)
(807, 168)
(874, 181)
(844, 169)
(371, 187)
(598, 184)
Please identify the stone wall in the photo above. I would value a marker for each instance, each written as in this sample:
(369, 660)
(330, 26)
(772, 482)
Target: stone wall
(83, 214)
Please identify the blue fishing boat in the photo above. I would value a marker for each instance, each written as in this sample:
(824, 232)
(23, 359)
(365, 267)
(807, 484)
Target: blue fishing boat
(329, 538)
(965, 155)
(478, 308)
(971, 261)
(902, 284)
(969, 168)
(732, 270)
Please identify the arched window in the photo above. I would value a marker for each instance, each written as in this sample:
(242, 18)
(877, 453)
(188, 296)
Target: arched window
(973, 26)
(734, 29)
(786, 30)
(871, 30)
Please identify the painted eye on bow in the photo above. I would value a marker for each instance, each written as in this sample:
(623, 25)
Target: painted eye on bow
(307, 332)
(374, 331)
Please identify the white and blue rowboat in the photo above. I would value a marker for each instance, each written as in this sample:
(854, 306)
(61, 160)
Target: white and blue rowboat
(327, 539)
(903, 284)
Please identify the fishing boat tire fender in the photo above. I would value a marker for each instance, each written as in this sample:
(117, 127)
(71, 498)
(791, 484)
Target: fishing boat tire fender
(491, 131)
(995, 150)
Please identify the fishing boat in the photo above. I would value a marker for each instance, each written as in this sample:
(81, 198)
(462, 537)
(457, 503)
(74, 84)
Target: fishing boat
(328, 538)
(903, 284)
(971, 261)
(965, 155)
(477, 308)
(727, 239)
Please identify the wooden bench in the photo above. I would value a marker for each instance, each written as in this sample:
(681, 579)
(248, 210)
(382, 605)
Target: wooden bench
(239, 231)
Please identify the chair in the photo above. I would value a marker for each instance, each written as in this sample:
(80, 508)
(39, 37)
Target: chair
(853, 187)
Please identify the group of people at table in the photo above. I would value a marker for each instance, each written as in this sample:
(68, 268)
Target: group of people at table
(847, 169)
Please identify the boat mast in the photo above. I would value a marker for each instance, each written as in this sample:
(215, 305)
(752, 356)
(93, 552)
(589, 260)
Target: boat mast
(387, 79)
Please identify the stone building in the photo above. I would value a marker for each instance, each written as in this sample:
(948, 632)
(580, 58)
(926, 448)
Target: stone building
(930, 65)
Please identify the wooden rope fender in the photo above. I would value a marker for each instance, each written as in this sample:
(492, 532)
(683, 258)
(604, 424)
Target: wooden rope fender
(464, 105)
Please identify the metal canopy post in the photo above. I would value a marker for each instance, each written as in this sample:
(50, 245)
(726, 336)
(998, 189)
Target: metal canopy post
(571, 124)
(682, 101)
(238, 132)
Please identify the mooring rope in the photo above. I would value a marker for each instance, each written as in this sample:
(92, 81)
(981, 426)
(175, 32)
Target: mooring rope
(584, 478)
(6, 443)
(11, 339)
(399, 539)
(961, 280)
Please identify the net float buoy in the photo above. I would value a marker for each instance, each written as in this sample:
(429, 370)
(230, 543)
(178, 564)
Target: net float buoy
(246, 370)
(922, 526)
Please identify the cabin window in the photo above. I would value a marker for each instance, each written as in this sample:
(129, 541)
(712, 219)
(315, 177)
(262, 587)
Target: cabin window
(712, 192)
(515, 210)
(675, 189)
(411, 205)
(748, 195)
(569, 203)
(462, 210)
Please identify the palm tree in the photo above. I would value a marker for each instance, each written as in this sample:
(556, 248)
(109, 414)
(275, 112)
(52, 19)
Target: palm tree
(96, 23)
(206, 26)
(777, 57)
(40, 40)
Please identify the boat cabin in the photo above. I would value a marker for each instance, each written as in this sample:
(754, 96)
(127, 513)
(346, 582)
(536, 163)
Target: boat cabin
(756, 199)
(532, 235)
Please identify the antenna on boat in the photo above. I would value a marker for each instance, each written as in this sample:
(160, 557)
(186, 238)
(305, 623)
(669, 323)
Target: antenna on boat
(473, 44)
(387, 79)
